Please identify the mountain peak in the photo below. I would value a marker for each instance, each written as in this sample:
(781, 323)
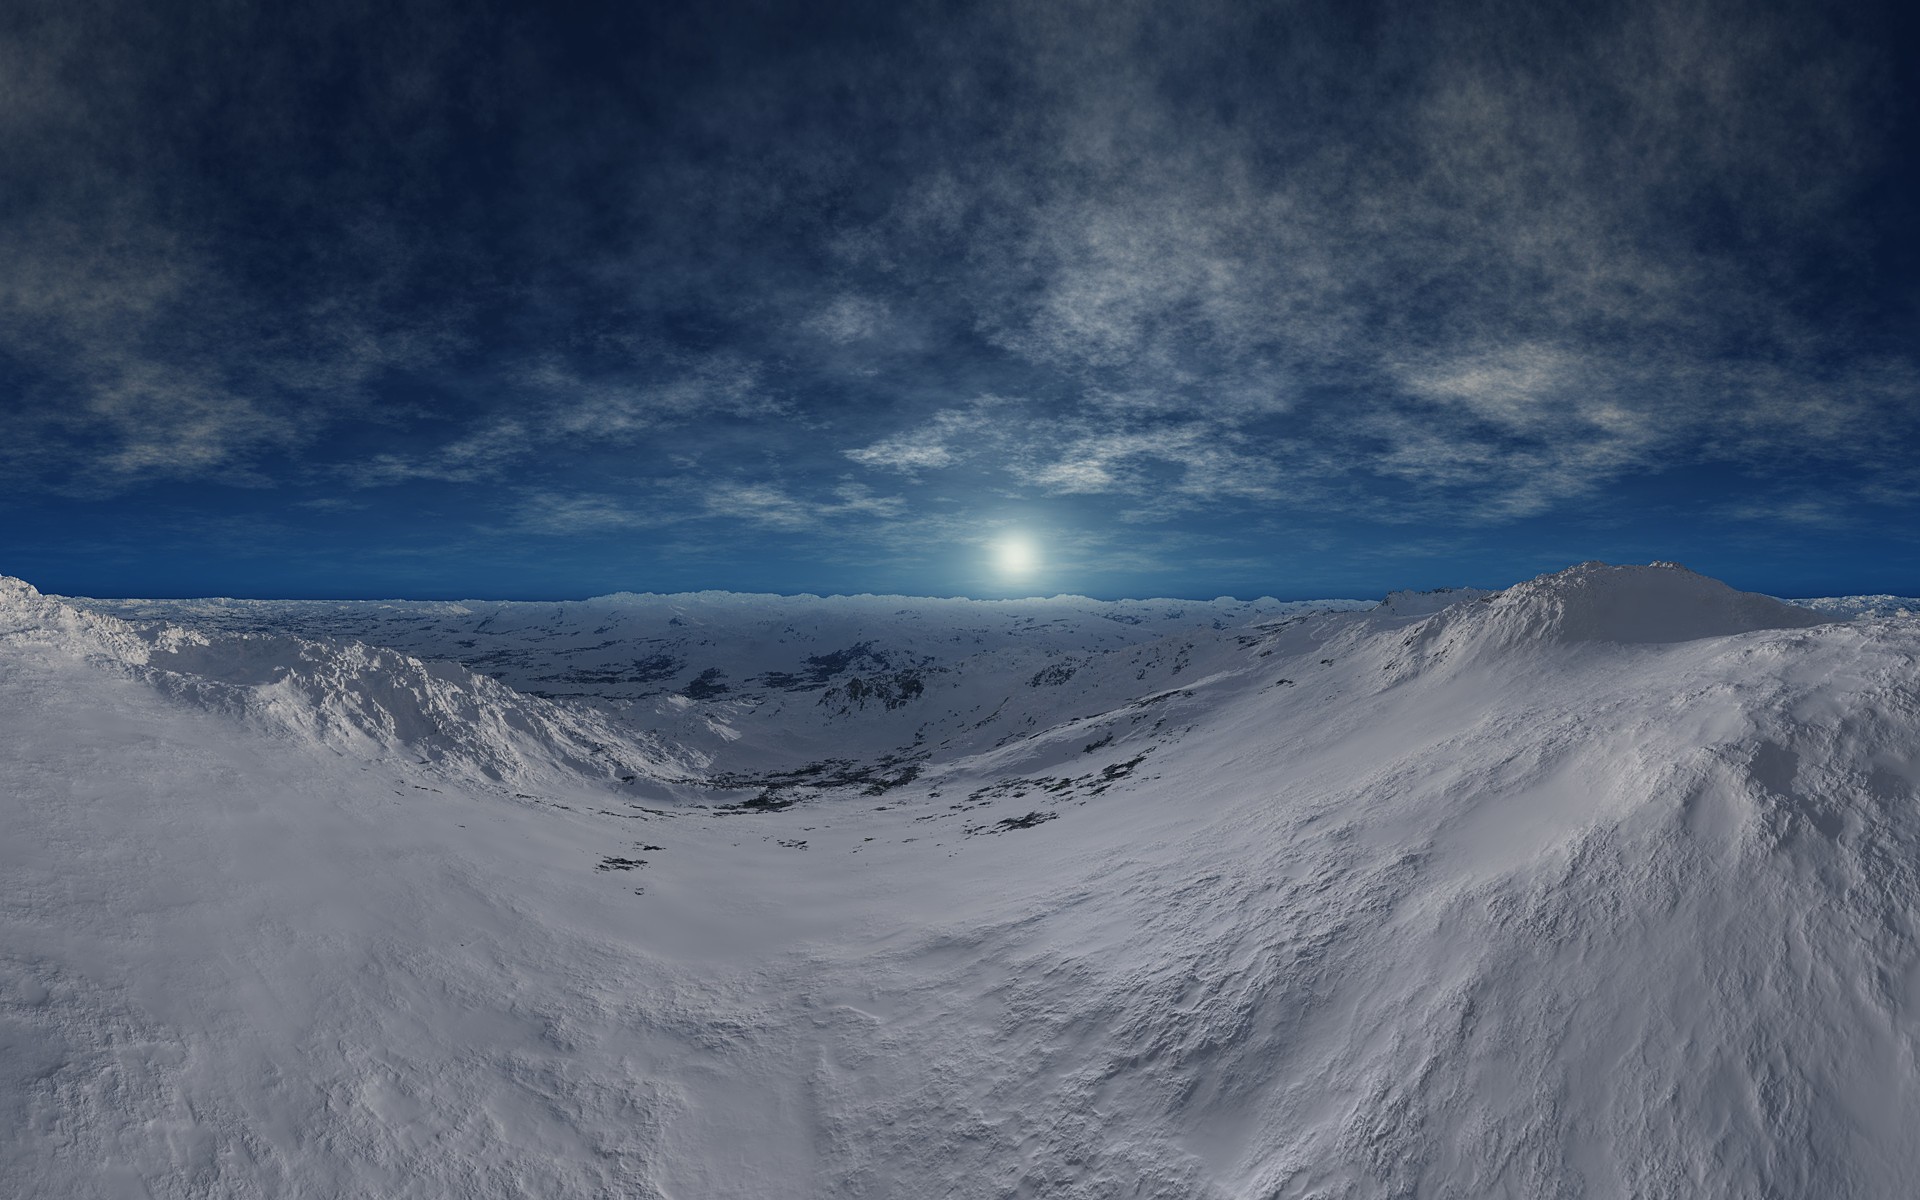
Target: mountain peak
(17, 589)
(1657, 603)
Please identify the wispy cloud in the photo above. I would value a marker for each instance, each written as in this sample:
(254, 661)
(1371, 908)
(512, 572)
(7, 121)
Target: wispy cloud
(770, 506)
(1487, 272)
(557, 411)
(1458, 263)
(139, 347)
(574, 513)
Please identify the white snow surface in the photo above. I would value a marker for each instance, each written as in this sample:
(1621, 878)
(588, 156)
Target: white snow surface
(1422, 604)
(1863, 606)
(1603, 885)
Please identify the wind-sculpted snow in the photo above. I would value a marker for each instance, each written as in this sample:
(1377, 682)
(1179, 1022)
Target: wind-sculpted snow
(362, 701)
(371, 703)
(765, 683)
(1850, 607)
(1607, 885)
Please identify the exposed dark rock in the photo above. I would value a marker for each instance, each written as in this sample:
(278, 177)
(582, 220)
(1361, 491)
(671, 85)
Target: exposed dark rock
(706, 685)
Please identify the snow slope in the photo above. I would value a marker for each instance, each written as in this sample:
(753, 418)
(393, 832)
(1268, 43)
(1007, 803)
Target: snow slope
(765, 681)
(1604, 885)
(363, 702)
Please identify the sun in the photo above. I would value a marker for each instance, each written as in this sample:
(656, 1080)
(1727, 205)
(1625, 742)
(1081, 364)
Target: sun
(1016, 556)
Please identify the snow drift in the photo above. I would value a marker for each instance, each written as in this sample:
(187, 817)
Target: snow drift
(1600, 886)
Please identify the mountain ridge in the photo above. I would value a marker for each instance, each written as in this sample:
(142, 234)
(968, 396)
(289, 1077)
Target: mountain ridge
(1324, 904)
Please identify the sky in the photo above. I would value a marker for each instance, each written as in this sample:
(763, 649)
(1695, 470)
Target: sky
(1313, 298)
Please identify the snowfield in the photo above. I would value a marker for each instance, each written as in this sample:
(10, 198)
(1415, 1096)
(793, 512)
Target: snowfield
(1605, 885)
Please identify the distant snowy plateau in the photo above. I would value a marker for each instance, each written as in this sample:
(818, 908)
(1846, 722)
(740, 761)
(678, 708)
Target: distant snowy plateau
(1605, 885)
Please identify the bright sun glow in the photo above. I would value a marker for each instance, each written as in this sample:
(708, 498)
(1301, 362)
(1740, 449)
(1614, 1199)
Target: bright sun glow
(1016, 556)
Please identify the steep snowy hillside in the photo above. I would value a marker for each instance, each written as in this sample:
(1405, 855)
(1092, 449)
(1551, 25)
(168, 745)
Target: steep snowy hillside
(1604, 885)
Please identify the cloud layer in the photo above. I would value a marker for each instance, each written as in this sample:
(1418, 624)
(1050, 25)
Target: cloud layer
(894, 273)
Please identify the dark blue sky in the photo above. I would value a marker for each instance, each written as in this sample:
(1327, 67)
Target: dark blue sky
(1302, 298)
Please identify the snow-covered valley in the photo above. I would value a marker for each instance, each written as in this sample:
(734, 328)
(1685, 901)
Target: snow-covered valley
(1604, 885)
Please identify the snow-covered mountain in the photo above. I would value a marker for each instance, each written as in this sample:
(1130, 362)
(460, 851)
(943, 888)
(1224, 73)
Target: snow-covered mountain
(1864, 606)
(767, 681)
(1602, 885)
(367, 703)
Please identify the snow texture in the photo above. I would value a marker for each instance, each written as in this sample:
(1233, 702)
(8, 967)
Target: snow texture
(1600, 886)
(1864, 606)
